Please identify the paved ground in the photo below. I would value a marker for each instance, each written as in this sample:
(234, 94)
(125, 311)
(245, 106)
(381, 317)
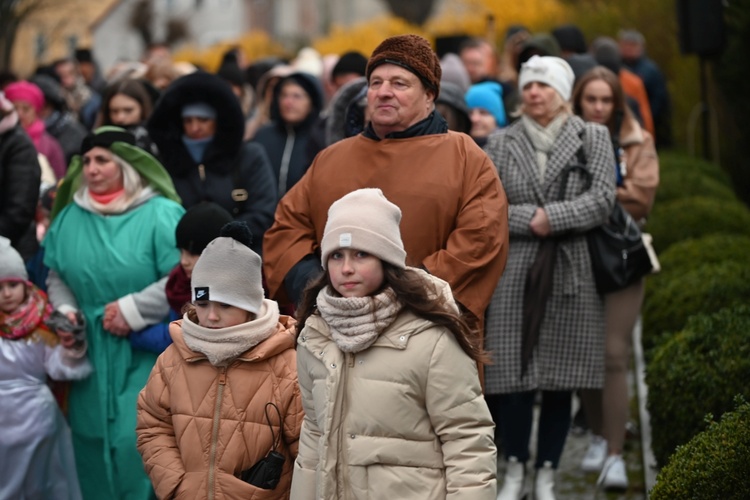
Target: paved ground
(573, 484)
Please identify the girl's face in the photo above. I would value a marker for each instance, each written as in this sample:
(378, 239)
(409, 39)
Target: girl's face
(354, 273)
(102, 174)
(125, 111)
(483, 123)
(294, 103)
(540, 102)
(212, 314)
(187, 261)
(12, 295)
(597, 102)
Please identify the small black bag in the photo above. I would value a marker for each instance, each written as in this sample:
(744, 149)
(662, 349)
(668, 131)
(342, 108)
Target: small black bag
(266, 473)
(618, 256)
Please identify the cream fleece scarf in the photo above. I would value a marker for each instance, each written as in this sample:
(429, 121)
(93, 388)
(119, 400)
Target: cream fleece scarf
(543, 138)
(356, 322)
(223, 345)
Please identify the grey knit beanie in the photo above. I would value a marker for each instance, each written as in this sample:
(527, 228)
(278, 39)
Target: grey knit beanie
(365, 220)
(11, 262)
(228, 271)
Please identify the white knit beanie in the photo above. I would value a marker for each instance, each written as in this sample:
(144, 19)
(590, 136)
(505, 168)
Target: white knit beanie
(11, 262)
(553, 71)
(228, 271)
(364, 220)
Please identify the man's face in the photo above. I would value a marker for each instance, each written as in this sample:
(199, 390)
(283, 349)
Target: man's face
(67, 72)
(396, 99)
(479, 62)
(630, 51)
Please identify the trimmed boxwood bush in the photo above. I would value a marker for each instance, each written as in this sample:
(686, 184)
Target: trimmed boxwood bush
(714, 464)
(695, 217)
(702, 289)
(712, 249)
(696, 372)
(676, 184)
(676, 161)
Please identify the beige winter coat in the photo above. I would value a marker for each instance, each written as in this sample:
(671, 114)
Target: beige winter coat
(403, 419)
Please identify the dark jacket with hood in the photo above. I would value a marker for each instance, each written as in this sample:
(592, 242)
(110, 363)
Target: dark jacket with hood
(285, 144)
(19, 188)
(230, 169)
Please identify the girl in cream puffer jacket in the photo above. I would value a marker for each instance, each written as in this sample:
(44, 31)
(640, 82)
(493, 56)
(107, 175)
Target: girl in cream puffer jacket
(392, 400)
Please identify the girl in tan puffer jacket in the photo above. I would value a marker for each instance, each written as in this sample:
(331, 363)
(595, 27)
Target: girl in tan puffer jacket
(393, 404)
(220, 415)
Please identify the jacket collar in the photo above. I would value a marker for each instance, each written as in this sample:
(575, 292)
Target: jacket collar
(433, 124)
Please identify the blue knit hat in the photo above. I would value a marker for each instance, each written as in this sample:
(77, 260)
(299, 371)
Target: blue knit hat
(488, 96)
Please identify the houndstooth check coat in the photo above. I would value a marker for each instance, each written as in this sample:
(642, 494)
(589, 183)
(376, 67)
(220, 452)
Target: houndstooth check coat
(570, 350)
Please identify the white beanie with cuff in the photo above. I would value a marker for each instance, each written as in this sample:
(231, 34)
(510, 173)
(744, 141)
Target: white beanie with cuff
(550, 70)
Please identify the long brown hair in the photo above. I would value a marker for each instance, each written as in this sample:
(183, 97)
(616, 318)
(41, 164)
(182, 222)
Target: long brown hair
(417, 296)
(130, 88)
(618, 96)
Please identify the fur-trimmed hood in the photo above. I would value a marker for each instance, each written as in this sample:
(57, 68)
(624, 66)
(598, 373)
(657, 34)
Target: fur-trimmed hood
(165, 124)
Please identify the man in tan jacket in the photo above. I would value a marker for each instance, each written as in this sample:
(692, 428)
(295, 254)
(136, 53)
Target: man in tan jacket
(455, 214)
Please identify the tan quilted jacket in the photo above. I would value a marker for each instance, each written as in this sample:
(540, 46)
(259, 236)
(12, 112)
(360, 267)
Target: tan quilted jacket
(200, 426)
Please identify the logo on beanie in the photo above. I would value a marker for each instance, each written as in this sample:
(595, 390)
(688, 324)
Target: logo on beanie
(201, 293)
(345, 240)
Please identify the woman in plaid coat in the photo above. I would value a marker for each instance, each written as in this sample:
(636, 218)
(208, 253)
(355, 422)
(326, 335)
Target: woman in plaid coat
(532, 157)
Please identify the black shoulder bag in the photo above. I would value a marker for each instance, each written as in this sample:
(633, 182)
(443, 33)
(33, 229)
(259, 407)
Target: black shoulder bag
(618, 254)
(266, 473)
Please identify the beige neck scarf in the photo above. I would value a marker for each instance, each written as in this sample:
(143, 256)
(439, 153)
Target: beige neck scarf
(223, 345)
(356, 322)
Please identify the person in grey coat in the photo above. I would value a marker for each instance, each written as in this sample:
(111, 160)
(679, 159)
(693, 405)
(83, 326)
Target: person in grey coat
(532, 157)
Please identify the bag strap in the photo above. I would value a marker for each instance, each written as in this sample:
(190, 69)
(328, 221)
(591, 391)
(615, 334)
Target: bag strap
(580, 165)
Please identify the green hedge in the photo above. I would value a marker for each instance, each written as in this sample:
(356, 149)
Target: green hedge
(689, 254)
(703, 289)
(714, 464)
(695, 217)
(696, 372)
(674, 161)
(676, 184)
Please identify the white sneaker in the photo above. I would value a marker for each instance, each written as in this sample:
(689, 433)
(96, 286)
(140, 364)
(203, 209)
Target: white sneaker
(613, 476)
(596, 454)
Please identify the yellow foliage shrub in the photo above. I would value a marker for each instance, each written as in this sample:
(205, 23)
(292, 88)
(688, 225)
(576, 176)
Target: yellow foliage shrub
(254, 46)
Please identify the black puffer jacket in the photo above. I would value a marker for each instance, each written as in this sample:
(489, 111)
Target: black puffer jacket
(286, 145)
(20, 176)
(229, 165)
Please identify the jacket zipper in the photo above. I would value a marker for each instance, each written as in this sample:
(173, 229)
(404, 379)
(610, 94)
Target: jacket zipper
(344, 491)
(202, 172)
(286, 158)
(215, 432)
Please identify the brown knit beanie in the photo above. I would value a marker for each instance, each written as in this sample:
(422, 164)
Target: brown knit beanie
(411, 52)
(228, 271)
(365, 220)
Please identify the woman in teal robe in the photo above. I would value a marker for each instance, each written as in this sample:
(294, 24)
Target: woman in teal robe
(111, 248)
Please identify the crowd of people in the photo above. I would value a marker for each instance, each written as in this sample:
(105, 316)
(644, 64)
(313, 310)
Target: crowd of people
(320, 277)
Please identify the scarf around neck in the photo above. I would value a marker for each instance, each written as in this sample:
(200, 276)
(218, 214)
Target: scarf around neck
(223, 345)
(35, 131)
(543, 138)
(29, 317)
(356, 322)
(178, 288)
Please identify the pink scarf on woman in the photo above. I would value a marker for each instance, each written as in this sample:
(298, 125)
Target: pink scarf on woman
(35, 131)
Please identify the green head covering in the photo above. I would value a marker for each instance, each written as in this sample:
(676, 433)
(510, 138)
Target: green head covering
(122, 143)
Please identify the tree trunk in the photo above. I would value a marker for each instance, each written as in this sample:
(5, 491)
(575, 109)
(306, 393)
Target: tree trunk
(414, 11)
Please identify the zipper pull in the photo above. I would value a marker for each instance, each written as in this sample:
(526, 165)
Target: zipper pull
(223, 376)
(202, 172)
